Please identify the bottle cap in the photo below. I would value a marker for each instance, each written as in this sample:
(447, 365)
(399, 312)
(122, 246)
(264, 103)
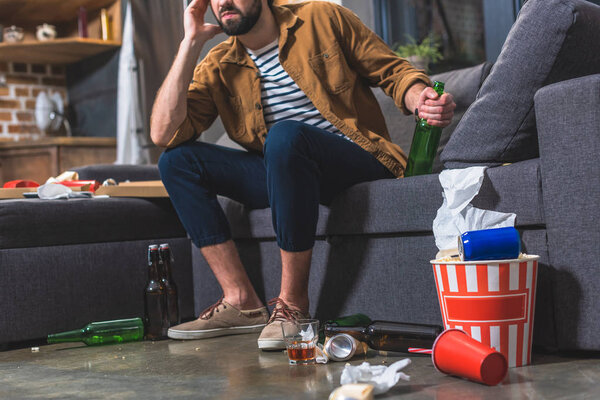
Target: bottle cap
(456, 353)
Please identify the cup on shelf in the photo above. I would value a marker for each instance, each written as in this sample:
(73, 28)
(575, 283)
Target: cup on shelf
(13, 34)
(45, 32)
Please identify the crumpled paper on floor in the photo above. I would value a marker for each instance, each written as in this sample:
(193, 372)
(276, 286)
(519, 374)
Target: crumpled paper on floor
(320, 355)
(382, 378)
(457, 216)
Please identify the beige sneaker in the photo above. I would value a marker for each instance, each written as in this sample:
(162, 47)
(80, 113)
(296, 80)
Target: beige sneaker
(221, 319)
(271, 337)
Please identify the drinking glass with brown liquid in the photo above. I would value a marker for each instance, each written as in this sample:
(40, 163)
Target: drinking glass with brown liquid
(300, 338)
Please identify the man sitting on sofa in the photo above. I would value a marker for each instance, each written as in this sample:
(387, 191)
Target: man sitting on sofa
(292, 86)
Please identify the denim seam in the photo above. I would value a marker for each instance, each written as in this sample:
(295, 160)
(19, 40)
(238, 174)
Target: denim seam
(212, 240)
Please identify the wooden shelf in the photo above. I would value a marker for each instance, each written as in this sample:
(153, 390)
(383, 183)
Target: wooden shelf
(58, 51)
(49, 11)
(40, 159)
(68, 47)
(59, 141)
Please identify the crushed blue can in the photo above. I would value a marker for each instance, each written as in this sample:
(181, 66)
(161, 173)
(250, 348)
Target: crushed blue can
(489, 244)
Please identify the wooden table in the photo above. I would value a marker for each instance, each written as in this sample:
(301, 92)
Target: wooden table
(40, 159)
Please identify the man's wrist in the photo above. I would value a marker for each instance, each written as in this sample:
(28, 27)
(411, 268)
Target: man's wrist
(191, 45)
(411, 97)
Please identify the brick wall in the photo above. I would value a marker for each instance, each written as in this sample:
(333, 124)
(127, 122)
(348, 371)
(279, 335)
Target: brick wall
(23, 82)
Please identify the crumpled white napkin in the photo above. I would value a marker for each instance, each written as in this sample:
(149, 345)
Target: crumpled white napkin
(55, 191)
(456, 215)
(382, 378)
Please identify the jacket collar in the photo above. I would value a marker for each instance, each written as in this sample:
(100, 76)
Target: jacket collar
(286, 20)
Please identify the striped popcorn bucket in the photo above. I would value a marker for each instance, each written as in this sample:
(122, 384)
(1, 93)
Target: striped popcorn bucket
(493, 301)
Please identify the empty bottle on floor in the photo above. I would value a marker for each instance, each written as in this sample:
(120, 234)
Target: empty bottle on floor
(155, 300)
(103, 332)
(424, 144)
(390, 336)
(166, 279)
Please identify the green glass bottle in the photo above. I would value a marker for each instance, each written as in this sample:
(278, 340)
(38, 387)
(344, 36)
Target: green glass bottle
(424, 144)
(352, 323)
(350, 320)
(103, 332)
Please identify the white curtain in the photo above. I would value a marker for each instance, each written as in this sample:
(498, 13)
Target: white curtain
(152, 31)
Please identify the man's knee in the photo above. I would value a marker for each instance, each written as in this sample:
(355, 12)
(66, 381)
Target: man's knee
(284, 137)
(169, 159)
(185, 156)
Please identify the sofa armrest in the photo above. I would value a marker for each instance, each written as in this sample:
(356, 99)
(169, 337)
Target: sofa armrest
(119, 173)
(568, 123)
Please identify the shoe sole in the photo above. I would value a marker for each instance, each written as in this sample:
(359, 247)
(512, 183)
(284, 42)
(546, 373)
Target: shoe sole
(271, 344)
(208, 333)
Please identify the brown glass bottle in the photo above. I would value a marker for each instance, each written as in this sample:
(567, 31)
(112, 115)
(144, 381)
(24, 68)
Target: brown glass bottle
(390, 336)
(166, 278)
(155, 300)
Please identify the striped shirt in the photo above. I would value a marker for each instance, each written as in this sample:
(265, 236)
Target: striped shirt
(281, 98)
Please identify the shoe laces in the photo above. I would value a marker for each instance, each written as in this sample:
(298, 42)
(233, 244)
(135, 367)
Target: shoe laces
(282, 312)
(209, 311)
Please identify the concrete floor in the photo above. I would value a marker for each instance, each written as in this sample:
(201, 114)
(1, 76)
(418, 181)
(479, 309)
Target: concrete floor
(233, 368)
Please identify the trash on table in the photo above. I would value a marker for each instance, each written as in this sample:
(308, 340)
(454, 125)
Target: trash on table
(65, 176)
(55, 191)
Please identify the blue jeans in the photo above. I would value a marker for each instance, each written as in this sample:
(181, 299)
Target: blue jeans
(302, 167)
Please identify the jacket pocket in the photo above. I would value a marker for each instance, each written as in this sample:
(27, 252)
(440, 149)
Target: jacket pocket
(332, 70)
(235, 123)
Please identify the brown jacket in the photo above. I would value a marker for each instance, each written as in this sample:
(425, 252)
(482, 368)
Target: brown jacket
(331, 56)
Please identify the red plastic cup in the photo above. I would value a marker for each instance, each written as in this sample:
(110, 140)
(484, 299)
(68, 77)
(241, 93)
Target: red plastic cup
(456, 353)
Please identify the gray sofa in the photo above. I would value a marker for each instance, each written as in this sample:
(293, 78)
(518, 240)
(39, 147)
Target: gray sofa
(65, 263)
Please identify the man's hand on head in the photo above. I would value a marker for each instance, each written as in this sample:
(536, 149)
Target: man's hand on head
(195, 28)
(437, 110)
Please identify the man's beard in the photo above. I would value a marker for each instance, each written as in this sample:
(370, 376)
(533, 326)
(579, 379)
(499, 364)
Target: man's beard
(246, 21)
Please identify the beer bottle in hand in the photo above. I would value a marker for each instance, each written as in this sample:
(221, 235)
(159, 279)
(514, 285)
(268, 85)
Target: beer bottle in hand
(166, 279)
(424, 144)
(155, 300)
(103, 332)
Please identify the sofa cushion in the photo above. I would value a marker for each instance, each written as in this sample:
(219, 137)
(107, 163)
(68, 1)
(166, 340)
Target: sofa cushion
(551, 41)
(463, 84)
(406, 205)
(36, 223)
(119, 173)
